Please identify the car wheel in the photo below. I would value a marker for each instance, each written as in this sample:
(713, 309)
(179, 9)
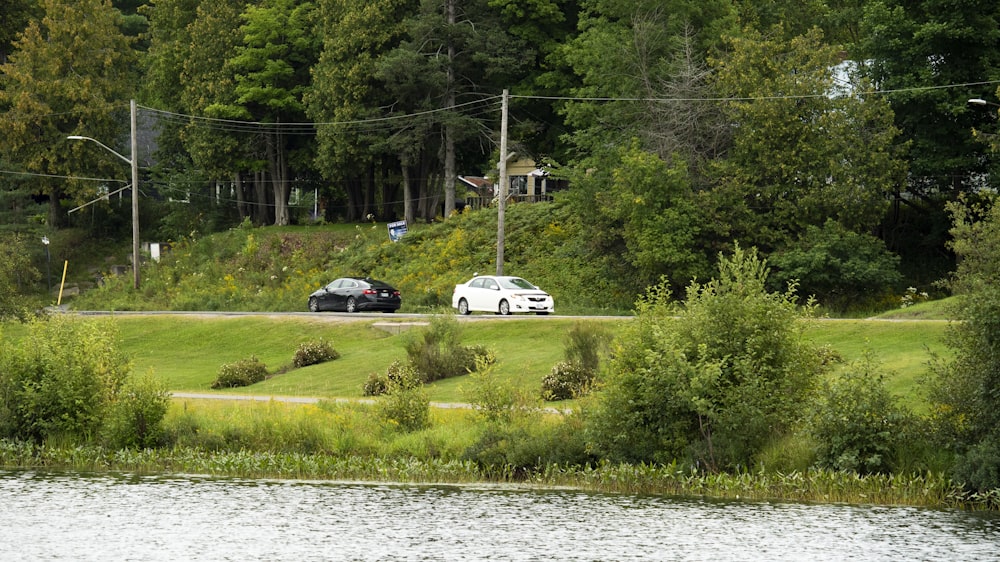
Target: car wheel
(352, 305)
(463, 307)
(313, 304)
(504, 308)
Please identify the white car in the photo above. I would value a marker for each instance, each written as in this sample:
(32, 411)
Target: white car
(501, 294)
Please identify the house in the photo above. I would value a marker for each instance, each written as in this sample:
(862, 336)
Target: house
(526, 182)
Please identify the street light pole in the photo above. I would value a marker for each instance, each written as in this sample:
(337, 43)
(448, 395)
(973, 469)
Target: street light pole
(134, 163)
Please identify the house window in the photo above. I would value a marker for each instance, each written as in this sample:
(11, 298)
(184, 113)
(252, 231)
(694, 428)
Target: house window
(518, 185)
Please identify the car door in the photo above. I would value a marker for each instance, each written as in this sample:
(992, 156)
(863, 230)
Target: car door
(484, 295)
(328, 297)
(346, 288)
(472, 293)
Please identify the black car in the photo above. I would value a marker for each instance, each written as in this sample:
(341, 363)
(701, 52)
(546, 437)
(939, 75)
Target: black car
(354, 294)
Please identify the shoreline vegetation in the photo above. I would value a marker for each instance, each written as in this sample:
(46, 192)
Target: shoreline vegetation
(812, 486)
(340, 436)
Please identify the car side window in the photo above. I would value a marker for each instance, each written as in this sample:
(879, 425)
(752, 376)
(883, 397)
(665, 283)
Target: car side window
(476, 284)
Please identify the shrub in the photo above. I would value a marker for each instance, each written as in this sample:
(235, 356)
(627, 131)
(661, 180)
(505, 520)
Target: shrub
(567, 380)
(136, 415)
(585, 342)
(711, 382)
(60, 379)
(857, 425)
(437, 352)
(313, 353)
(573, 377)
(405, 404)
(240, 373)
(397, 373)
(841, 268)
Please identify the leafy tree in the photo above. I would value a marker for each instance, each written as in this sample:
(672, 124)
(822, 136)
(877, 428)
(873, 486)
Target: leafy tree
(17, 276)
(914, 48)
(709, 382)
(271, 70)
(345, 90)
(802, 152)
(56, 85)
(930, 58)
(966, 390)
(839, 267)
(646, 207)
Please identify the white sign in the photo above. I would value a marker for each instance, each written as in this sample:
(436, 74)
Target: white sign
(397, 230)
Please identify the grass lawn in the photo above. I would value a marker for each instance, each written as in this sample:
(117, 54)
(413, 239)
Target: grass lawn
(186, 351)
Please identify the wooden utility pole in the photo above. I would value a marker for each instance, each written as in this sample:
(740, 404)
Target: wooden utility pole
(502, 191)
(135, 198)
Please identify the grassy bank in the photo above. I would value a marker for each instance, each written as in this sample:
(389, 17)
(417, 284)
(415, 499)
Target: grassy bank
(187, 351)
(337, 439)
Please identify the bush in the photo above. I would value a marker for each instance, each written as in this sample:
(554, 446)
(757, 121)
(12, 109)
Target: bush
(978, 469)
(857, 425)
(60, 379)
(712, 382)
(136, 415)
(405, 405)
(567, 380)
(573, 377)
(585, 342)
(842, 269)
(437, 352)
(313, 353)
(240, 373)
(379, 384)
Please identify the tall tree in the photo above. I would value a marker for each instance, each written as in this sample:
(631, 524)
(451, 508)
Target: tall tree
(218, 148)
(925, 54)
(14, 17)
(803, 152)
(271, 69)
(346, 92)
(454, 50)
(70, 72)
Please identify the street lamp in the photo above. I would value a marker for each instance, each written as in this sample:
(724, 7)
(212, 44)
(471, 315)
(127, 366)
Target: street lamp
(134, 163)
(980, 101)
(48, 263)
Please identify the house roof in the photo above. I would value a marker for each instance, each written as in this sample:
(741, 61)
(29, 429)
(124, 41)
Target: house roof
(476, 181)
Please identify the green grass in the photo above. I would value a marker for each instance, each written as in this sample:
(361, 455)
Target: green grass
(187, 351)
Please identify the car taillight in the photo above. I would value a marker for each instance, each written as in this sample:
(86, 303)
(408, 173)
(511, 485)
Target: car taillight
(395, 293)
(370, 292)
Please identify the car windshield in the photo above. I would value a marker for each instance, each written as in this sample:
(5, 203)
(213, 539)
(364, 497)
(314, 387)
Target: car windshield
(516, 283)
(382, 286)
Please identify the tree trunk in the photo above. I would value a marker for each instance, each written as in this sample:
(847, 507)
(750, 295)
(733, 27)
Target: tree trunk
(409, 212)
(279, 178)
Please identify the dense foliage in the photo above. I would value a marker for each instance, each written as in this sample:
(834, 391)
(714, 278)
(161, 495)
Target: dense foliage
(712, 381)
(67, 379)
(967, 389)
(681, 126)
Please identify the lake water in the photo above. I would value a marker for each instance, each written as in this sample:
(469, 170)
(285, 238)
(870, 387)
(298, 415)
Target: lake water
(71, 516)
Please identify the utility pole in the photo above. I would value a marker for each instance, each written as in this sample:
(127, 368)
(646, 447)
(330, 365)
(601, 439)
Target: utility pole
(502, 193)
(135, 198)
